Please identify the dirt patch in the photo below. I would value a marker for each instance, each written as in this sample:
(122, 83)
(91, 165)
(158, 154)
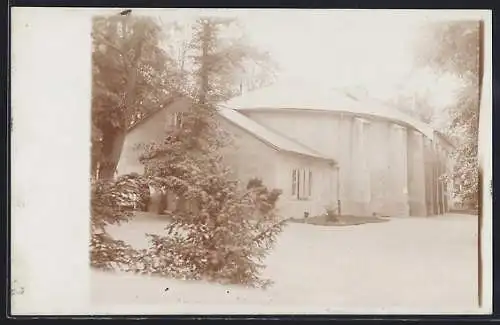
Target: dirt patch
(346, 220)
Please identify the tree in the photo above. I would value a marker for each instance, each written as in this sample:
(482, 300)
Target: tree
(111, 205)
(452, 46)
(222, 230)
(219, 50)
(132, 75)
(455, 47)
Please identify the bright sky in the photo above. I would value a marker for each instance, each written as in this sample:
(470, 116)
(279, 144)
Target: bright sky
(337, 48)
(371, 49)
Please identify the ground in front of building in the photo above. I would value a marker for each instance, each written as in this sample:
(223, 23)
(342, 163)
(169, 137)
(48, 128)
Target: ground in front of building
(408, 265)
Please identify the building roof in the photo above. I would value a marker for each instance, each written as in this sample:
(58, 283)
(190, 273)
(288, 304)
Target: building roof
(271, 138)
(274, 139)
(289, 96)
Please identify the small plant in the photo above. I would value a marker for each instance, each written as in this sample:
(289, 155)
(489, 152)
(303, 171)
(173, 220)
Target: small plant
(331, 215)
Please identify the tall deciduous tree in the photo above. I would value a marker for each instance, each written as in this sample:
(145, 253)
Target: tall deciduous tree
(132, 75)
(455, 47)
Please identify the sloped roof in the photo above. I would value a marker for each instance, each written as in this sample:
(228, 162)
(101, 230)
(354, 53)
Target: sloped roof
(272, 138)
(275, 140)
(309, 97)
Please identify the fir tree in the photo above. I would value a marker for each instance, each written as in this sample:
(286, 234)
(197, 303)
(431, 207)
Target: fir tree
(224, 229)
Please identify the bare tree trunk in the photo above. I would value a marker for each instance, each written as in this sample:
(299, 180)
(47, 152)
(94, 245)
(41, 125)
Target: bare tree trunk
(110, 159)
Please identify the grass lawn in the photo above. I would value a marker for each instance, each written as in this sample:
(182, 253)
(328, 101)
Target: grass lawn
(404, 265)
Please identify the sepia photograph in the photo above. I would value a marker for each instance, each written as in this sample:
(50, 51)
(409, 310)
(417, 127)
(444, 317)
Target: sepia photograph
(285, 161)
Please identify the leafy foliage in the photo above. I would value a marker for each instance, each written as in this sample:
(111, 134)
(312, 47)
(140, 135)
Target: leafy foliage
(132, 75)
(454, 47)
(110, 202)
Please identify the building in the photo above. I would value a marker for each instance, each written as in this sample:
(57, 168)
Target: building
(308, 179)
(255, 151)
(323, 150)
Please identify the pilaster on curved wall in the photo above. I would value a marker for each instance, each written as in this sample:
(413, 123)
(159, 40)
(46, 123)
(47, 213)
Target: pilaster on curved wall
(416, 174)
(382, 164)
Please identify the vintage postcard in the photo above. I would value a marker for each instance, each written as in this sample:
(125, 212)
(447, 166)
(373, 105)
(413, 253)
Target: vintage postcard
(182, 161)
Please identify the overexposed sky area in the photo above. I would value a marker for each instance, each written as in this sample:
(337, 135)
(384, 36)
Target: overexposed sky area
(335, 47)
(371, 49)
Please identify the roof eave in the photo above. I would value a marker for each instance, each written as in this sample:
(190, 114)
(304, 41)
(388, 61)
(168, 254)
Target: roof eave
(326, 159)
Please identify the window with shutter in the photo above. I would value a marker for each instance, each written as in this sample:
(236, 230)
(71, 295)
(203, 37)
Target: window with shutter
(175, 120)
(302, 183)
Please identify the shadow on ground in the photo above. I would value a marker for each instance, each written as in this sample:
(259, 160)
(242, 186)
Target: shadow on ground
(345, 220)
